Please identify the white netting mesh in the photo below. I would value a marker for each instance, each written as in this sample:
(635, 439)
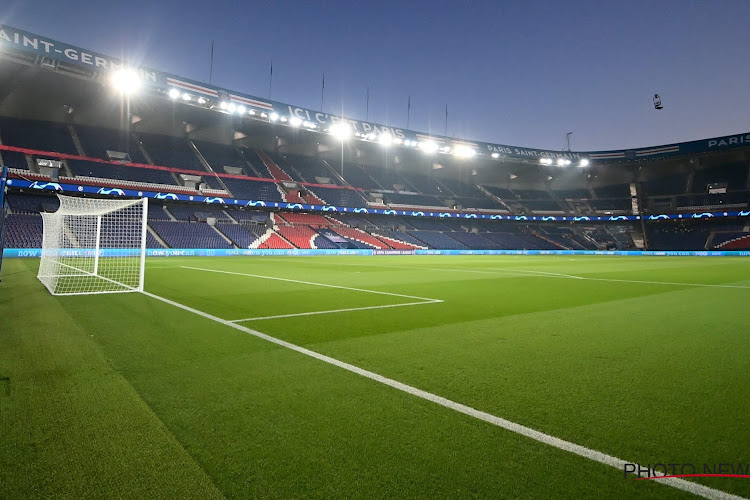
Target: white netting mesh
(94, 246)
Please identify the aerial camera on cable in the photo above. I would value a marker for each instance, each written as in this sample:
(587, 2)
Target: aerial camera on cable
(657, 102)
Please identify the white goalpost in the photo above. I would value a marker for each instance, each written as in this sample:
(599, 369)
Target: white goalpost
(94, 246)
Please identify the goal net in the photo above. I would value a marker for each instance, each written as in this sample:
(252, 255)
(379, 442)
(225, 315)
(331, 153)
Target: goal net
(94, 246)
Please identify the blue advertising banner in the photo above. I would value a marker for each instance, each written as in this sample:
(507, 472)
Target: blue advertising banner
(259, 204)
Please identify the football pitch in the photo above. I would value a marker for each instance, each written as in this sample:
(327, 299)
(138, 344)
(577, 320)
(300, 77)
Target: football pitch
(379, 377)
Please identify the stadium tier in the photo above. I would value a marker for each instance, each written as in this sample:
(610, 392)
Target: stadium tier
(233, 169)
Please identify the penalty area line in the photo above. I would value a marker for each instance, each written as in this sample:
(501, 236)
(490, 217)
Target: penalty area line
(309, 283)
(561, 444)
(331, 311)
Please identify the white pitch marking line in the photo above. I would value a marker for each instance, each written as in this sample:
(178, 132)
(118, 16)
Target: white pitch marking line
(314, 313)
(597, 456)
(508, 272)
(310, 283)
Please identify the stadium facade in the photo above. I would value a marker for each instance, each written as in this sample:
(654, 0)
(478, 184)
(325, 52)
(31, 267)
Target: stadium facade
(232, 171)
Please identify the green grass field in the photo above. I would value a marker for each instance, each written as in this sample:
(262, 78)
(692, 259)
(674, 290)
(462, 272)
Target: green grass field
(124, 395)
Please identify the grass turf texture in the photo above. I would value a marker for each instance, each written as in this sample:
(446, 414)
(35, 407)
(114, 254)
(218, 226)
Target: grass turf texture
(123, 395)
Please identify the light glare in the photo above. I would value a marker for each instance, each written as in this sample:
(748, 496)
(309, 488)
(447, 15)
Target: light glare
(126, 81)
(340, 130)
(428, 147)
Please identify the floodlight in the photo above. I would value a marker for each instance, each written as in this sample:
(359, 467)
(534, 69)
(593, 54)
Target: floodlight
(201, 100)
(496, 155)
(223, 105)
(251, 112)
(340, 130)
(385, 139)
(560, 162)
(263, 115)
(295, 121)
(584, 162)
(464, 151)
(186, 97)
(446, 149)
(231, 107)
(370, 136)
(126, 81)
(174, 93)
(241, 110)
(428, 147)
(397, 140)
(274, 117)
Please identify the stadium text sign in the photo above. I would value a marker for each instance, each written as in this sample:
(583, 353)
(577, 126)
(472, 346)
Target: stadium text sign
(532, 153)
(732, 140)
(326, 119)
(29, 42)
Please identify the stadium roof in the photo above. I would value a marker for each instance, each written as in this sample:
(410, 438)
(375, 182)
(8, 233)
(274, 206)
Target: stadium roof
(176, 105)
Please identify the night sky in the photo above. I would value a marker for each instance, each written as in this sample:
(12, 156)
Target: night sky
(518, 73)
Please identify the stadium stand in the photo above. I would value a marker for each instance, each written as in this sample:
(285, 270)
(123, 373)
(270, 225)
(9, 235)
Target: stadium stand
(23, 230)
(310, 168)
(360, 236)
(297, 218)
(474, 240)
(242, 236)
(170, 151)
(253, 190)
(83, 168)
(97, 141)
(42, 136)
(179, 234)
(338, 197)
(15, 159)
(733, 174)
(676, 236)
(412, 200)
(299, 236)
(357, 176)
(220, 156)
(425, 184)
(437, 239)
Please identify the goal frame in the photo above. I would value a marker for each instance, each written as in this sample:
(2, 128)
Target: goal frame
(53, 268)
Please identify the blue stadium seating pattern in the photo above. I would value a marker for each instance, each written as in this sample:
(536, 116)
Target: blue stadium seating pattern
(179, 234)
(23, 231)
(14, 159)
(437, 239)
(338, 197)
(171, 151)
(120, 172)
(253, 190)
(44, 136)
(97, 141)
